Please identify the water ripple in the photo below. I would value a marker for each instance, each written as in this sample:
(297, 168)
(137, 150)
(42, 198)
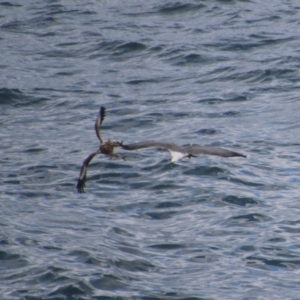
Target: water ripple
(219, 73)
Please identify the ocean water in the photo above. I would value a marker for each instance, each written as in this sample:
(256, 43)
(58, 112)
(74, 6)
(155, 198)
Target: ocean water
(221, 73)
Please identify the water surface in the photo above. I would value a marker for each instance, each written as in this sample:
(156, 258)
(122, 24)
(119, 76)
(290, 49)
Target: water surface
(220, 73)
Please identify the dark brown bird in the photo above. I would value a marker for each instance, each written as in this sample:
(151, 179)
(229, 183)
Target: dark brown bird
(106, 147)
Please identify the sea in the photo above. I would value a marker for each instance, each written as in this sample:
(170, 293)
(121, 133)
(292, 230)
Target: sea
(221, 73)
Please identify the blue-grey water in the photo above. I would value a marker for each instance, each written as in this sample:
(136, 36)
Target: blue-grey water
(220, 73)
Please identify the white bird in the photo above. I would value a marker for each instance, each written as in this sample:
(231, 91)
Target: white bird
(178, 152)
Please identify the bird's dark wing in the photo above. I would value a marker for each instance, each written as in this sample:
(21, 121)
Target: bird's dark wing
(99, 120)
(82, 177)
(151, 143)
(197, 149)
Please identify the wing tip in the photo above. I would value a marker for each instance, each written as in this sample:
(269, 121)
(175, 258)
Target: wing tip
(80, 186)
(239, 154)
(102, 113)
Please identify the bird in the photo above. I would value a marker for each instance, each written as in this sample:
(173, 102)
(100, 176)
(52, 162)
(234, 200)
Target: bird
(178, 152)
(106, 147)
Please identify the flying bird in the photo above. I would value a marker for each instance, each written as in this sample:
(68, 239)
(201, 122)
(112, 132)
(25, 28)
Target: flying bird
(178, 152)
(106, 147)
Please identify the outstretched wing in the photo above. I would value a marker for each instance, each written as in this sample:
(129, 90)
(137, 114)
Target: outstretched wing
(180, 152)
(82, 177)
(99, 120)
(175, 151)
(197, 149)
(151, 143)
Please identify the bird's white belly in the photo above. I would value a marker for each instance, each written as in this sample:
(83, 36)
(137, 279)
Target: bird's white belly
(175, 156)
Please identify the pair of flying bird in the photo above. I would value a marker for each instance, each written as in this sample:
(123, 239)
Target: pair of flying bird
(177, 152)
